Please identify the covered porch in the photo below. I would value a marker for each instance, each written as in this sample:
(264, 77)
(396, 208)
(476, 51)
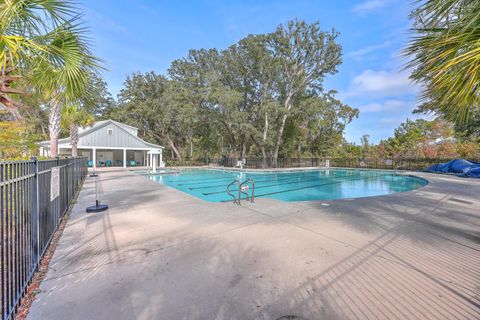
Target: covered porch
(115, 157)
(126, 157)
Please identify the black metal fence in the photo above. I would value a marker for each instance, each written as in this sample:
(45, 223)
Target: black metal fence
(257, 163)
(282, 162)
(379, 163)
(30, 212)
(370, 163)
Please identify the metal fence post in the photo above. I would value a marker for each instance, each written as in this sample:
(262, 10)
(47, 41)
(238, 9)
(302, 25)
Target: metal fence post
(36, 210)
(58, 200)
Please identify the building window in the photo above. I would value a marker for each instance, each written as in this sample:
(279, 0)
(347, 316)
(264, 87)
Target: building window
(109, 132)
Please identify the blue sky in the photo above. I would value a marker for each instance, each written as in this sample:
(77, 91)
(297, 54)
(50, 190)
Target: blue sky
(133, 35)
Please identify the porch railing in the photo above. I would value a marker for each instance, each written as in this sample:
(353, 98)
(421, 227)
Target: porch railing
(29, 217)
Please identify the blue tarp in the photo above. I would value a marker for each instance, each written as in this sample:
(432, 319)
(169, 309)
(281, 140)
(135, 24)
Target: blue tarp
(460, 167)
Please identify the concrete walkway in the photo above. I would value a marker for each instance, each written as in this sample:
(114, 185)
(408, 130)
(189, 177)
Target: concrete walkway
(158, 253)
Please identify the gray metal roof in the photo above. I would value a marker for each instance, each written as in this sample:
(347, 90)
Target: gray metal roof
(108, 134)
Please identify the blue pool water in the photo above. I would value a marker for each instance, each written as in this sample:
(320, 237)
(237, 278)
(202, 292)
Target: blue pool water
(210, 185)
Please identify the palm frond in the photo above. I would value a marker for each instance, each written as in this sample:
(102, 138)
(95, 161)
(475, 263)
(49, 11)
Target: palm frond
(65, 63)
(48, 39)
(445, 56)
(74, 115)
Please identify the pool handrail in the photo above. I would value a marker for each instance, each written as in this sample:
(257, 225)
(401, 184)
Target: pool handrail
(240, 190)
(235, 201)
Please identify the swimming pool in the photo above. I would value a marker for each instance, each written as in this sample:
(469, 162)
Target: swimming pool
(210, 184)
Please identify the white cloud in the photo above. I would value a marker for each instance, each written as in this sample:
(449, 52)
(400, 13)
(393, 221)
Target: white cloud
(381, 84)
(388, 105)
(369, 5)
(357, 54)
(106, 22)
(392, 121)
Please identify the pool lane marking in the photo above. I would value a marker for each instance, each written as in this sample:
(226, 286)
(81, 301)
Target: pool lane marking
(302, 173)
(277, 184)
(194, 180)
(307, 172)
(219, 179)
(302, 188)
(223, 185)
(224, 178)
(263, 180)
(266, 186)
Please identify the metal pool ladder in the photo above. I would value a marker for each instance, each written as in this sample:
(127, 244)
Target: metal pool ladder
(242, 188)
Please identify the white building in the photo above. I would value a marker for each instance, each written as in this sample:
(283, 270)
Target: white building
(110, 143)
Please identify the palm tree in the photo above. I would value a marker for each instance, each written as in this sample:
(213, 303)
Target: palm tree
(445, 57)
(66, 81)
(44, 42)
(73, 117)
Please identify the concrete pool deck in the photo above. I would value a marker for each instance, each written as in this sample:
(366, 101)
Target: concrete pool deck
(158, 253)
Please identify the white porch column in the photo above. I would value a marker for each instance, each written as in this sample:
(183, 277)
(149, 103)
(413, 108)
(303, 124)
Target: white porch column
(94, 158)
(151, 160)
(161, 157)
(124, 157)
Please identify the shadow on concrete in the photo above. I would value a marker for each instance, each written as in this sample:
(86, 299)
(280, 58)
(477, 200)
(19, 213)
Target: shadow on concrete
(393, 278)
(423, 264)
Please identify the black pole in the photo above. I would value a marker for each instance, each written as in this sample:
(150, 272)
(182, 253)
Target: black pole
(98, 207)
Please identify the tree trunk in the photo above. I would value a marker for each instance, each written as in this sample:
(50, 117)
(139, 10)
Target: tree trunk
(54, 126)
(264, 138)
(6, 81)
(278, 140)
(175, 150)
(242, 147)
(234, 152)
(264, 156)
(233, 142)
(11, 107)
(74, 139)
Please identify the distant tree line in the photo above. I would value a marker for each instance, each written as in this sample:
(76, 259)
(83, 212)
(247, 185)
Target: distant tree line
(416, 139)
(263, 96)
